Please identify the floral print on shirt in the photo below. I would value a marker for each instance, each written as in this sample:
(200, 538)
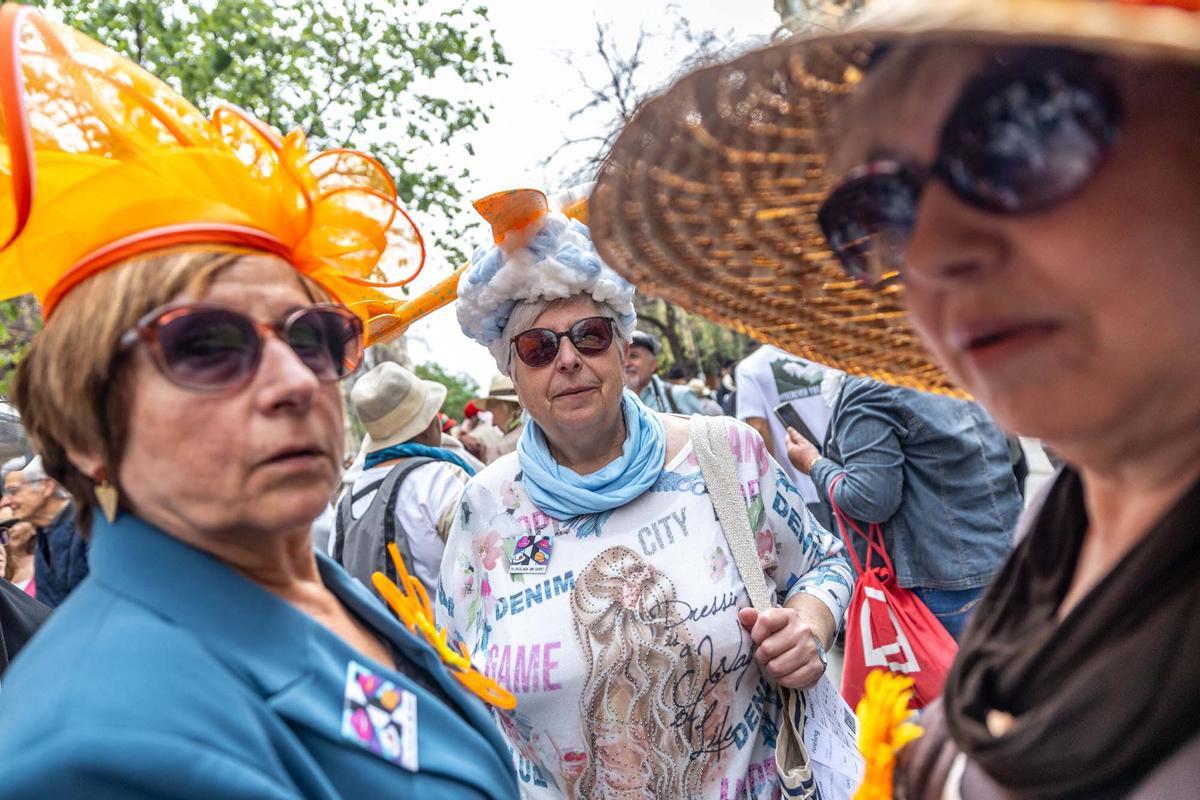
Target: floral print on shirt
(634, 677)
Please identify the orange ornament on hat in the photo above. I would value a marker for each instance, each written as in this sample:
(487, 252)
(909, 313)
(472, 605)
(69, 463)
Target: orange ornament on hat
(1186, 5)
(101, 161)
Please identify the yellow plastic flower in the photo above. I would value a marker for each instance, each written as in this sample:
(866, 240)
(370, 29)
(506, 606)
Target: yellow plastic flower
(411, 603)
(884, 727)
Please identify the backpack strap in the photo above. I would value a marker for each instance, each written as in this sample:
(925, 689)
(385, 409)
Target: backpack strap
(666, 397)
(389, 494)
(369, 550)
(343, 517)
(660, 396)
(874, 537)
(370, 488)
(390, 525)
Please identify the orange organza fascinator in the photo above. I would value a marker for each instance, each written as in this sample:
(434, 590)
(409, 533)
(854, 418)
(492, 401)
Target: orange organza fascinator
(100, 161)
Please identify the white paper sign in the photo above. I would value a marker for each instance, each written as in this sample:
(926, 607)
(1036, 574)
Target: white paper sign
(831, 735)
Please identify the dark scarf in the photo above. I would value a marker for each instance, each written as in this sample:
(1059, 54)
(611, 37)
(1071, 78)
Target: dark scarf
(1103, 696)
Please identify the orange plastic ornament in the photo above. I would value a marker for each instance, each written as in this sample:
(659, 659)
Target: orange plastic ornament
(101, 161)
(412, 606)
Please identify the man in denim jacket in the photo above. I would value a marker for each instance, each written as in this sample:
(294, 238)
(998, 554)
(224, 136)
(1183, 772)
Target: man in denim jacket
(61, 562)
(934, 472)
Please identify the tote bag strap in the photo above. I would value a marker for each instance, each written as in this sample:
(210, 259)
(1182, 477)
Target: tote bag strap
(874, 537)
(710, 441)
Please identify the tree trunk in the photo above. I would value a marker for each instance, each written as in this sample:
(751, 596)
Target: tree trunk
(679, 353)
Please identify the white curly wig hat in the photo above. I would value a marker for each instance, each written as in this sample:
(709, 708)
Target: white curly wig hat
(538, 256)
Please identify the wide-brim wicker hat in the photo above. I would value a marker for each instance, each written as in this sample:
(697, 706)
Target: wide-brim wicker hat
(709, 197)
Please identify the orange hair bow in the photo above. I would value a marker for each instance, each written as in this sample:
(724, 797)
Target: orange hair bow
(411, 604)
(103, 161)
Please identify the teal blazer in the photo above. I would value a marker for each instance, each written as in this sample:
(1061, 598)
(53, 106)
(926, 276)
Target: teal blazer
(168, 675)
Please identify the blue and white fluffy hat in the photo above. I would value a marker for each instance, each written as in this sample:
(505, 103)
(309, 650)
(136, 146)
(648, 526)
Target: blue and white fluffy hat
(537, 255)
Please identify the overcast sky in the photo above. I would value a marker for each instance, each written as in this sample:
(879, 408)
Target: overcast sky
(548, 43)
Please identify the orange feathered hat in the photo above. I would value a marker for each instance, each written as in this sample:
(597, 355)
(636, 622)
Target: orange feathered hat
(103, 161)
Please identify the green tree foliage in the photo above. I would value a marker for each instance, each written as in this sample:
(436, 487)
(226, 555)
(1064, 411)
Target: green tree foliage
(20, 319)
(460, 389)
(368, 74)
(689, 341)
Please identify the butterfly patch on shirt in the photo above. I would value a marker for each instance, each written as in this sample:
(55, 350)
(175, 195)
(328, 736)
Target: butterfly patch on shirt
(531, 554)
(380, 717)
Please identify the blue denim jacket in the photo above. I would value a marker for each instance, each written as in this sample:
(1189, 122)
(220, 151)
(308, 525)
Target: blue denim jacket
(934, 471)
(61, 562)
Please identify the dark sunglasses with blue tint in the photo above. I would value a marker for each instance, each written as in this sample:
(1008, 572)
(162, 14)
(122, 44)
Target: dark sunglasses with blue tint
(207, 347)
(1026, 134)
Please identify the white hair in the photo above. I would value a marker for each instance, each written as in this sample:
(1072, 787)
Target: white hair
(525, 313)
(35, 472)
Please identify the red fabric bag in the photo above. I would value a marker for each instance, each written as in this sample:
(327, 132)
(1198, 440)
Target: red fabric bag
(888, 627)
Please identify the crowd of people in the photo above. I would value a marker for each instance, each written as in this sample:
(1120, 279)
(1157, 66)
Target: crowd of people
(538, 595)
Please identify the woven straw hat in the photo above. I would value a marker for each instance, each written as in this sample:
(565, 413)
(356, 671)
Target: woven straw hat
(709, 197)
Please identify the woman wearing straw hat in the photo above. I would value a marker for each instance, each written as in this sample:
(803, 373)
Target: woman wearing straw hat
(587, 572)
(185, 389)
(1025, 176)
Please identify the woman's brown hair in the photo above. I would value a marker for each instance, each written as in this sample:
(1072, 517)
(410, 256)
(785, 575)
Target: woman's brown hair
(72, 387)
(26, 550)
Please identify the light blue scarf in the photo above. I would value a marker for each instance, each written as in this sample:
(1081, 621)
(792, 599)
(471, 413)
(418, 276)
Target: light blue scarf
(563, 493)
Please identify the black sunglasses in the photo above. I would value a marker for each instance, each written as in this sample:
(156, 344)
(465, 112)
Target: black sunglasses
(1026, 134)
(208, 347)
(537, 347)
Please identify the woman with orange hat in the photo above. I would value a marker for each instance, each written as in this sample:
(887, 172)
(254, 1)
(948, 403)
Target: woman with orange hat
(205, 285)
(1023, 177)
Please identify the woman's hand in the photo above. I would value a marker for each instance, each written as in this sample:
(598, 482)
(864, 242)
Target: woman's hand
(784, 646)
(800, 451)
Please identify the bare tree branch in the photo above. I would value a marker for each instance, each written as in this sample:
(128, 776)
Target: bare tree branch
(572, 142)
(617, 92)
(630, 97)
(619, 87)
